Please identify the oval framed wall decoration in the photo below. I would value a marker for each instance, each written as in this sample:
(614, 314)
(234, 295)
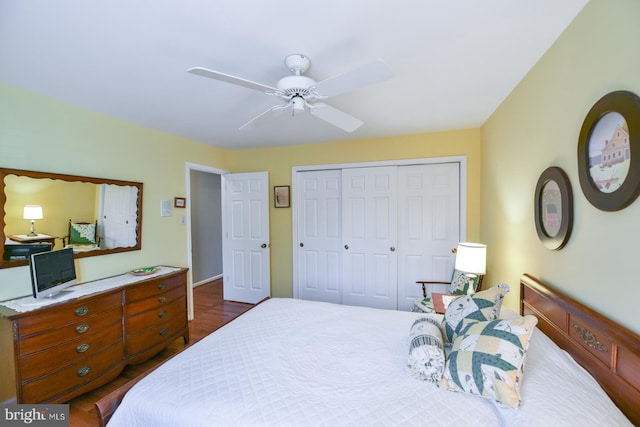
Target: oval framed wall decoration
(553, 208)
(609, 151)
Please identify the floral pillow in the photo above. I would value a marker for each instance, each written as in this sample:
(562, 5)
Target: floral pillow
(488, 359)
(482, 306)
(426, 350)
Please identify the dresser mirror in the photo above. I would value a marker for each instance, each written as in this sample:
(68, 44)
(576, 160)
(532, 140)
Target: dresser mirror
(44, 210)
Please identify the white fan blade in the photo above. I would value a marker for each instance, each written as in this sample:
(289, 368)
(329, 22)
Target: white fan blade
(216, 75)
(334, 116)
(357, 78)
(263, 117)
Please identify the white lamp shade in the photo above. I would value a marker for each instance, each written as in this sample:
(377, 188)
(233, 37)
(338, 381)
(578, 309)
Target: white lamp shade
(32, 212)
(471, 258)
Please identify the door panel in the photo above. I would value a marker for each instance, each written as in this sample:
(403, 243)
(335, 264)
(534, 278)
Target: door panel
(369, 197)
(319, 235)
(429, 226)
(246, 255)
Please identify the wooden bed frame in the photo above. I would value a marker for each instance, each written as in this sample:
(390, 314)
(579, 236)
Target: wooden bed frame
(607, 350)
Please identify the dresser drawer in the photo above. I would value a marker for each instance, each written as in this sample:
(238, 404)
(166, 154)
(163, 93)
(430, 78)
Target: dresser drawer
(58, 315)
(156, 287)
(166, 313)
(70, 331)
(72, 376)
(154, 302)
(155, 335)
(73, 351)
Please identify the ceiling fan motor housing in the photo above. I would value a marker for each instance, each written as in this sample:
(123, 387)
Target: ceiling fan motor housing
(291, 86)
(297, 63)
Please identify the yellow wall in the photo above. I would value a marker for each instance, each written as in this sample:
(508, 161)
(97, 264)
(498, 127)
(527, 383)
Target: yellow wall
(537, 126)
(38, 133)
(279, 161)
(61, 201)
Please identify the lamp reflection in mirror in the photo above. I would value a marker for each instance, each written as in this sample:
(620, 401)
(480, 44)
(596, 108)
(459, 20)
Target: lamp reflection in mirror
(471, 258)
(31, 213)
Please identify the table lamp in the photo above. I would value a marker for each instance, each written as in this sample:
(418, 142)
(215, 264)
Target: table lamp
(471, 258)
(31, 213)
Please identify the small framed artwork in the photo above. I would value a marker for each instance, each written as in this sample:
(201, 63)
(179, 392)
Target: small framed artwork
(553, 208)
(179, 202)
(609, 151)
(281, 196)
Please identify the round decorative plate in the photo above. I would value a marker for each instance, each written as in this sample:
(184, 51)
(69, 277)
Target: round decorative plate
(144, 271)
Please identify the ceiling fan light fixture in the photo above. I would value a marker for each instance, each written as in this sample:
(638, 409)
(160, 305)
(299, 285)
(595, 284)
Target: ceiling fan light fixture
(297, 104)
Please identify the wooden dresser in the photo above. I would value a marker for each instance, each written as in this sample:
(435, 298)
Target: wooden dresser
(57, 352)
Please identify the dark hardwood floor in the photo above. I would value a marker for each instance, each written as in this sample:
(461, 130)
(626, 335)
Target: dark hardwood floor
(210, 313)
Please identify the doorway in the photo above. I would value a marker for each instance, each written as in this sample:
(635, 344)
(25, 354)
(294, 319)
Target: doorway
(204, 225)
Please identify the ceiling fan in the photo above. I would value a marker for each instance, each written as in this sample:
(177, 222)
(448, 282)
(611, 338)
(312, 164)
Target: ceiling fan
(301, 92)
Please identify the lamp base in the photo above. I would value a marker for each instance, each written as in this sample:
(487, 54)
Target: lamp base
(32, 232)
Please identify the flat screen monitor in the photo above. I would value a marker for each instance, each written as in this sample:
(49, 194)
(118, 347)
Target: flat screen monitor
(51, 272)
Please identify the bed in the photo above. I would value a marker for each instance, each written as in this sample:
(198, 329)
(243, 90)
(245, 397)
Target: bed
(290, 362)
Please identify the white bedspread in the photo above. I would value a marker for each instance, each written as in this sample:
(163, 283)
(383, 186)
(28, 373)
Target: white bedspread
(291, 362)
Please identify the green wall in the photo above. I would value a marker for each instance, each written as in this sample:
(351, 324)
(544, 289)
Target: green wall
(537, 126)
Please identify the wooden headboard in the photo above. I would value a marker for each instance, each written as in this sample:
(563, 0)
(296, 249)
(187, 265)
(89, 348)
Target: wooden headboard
(607, 350)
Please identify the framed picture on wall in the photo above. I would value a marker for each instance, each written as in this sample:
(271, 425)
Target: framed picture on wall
(609, 151)
(179, 202)
(553, 208)
(281, 196)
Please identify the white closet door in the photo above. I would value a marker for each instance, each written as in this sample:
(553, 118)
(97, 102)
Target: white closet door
(246, 254)
(118, 224)
(369, 219)
(428, 226)
(318, 200)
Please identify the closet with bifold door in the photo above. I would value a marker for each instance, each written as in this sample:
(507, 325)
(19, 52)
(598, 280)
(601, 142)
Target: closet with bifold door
(365, 235)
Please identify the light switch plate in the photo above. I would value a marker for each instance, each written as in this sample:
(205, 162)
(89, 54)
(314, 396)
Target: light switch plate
(166, 208)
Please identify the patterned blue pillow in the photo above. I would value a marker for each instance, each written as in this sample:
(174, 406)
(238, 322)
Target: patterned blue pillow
(487, 358)
(482, 306)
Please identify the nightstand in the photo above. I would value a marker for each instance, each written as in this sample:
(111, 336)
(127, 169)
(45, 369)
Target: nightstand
(38, 238)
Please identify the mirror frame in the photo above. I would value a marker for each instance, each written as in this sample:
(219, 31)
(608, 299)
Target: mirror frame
(69, 178)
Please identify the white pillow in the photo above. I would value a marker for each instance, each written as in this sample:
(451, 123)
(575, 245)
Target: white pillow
(426, 350)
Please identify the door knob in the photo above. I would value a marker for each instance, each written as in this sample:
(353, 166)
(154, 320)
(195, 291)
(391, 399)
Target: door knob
(346, 247)
(264, 245)
(392, 248)
(301, 245)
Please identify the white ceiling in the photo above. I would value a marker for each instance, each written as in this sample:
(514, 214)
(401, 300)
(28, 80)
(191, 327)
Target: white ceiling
(454, 60)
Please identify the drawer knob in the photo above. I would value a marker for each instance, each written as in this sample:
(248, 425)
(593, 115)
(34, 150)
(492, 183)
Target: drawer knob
(163, 313)
(84, 371)
(163, 331)
(82, 348)
(81, 311)
(162, 286)
(162, 298)
(81, 329)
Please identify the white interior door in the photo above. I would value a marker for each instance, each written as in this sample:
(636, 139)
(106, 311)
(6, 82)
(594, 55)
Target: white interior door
(246, 253)
(318, 200)
(118, 223)
(369, 221)
(428, 226)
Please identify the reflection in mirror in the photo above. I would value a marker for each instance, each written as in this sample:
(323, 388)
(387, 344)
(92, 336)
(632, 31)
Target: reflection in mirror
(95, 216)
